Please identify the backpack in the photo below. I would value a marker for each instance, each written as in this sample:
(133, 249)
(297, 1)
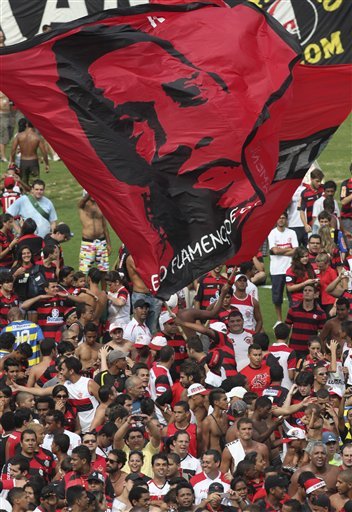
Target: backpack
(35, 282)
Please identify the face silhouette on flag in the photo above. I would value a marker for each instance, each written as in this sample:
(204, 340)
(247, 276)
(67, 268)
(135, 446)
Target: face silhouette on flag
(183, 181)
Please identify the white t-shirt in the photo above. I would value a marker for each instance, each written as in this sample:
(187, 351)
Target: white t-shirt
(201, 483)
(119, 314)
(294, 218)
(241, 343)
(282, 239)
(75, 440)
(134, 330)
(252, 290)
(318, 207)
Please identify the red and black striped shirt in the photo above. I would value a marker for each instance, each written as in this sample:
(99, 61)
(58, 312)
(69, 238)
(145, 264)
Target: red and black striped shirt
(224, 344)
(178, 343)
(5, 305)
(346, 190)
(50, 317)
(308, 197)
(304, 324)
(5, 240)
(209, 290)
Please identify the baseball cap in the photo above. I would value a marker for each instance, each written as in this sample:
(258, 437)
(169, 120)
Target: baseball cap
(95, 475)
(313, 484)
(47, 490)
(157, 343)
(238, 276)
(64, 230)
(9, 181)
(142, 340)
(293, 434)
(219, 327)
(114, 355)
(237, 391)
(69, 312)
(140, 303)
(114, 326)
(197, 389)
(239, 408)
(328, 437)
(215, 487)
(165, 318)
(275, 481)
(335, 390)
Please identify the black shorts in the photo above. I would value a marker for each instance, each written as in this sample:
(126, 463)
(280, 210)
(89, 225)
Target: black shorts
(278, 284)
(29, 169)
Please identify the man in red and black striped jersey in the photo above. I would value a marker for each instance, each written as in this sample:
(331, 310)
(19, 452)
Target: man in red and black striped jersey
(308, 196)
(174, 338)
(7, 241)
(346, 205)
(8, 299)
(209, 288)
(28, 450)
(219, 341)
(306, 319)
(50, 309)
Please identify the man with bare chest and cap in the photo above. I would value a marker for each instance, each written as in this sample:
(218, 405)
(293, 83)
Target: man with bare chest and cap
(95, 245)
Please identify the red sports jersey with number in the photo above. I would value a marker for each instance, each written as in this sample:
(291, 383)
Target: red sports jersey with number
(8, 197)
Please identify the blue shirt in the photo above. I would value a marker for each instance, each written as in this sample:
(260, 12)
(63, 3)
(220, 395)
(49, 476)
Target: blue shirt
(24, 208)
(26, 332)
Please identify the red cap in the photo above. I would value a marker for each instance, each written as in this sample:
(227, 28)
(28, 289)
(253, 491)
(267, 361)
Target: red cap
(8, 181)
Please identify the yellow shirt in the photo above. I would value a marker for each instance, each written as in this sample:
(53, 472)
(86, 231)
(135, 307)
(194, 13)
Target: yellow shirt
(148, 452)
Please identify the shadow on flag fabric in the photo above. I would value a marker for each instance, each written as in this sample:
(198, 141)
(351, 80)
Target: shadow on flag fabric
(171, 117)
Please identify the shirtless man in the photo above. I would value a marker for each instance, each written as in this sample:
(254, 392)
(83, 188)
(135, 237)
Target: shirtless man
(117, 340)
(4, 124)
(95, 245)
(140, 291)
(235, 451)
(48, 352)
(215, 426)
(94, 296)
(320, 467)
(332, 329)
(29, 142)
(87, 352)
(344, 489)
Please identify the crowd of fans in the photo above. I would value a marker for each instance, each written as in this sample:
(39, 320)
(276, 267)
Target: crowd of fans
(113, 400)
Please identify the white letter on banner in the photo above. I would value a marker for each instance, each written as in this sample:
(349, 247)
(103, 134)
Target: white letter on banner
(52, 14)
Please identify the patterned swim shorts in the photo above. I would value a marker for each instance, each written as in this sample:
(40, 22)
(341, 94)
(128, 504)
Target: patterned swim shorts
(93, 252)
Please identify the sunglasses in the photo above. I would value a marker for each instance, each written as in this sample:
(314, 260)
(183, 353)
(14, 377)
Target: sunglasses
(112, 461)
(61, 396)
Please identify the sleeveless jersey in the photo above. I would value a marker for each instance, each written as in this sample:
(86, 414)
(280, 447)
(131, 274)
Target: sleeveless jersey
(83, 401)
(246, 307)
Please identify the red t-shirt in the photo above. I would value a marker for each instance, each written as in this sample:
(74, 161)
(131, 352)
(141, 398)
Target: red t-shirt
(258, 378)
(325, 278)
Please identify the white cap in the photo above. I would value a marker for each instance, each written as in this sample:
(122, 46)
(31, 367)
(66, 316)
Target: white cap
(164, 318)
(157, 343)
(197, 389)
(116, 325)
(142, 340)
(240, 275)
(296, 433)
(238, 391)
(219, 327)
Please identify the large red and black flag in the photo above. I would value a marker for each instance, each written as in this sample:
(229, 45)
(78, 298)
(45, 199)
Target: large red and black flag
(172, 117)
